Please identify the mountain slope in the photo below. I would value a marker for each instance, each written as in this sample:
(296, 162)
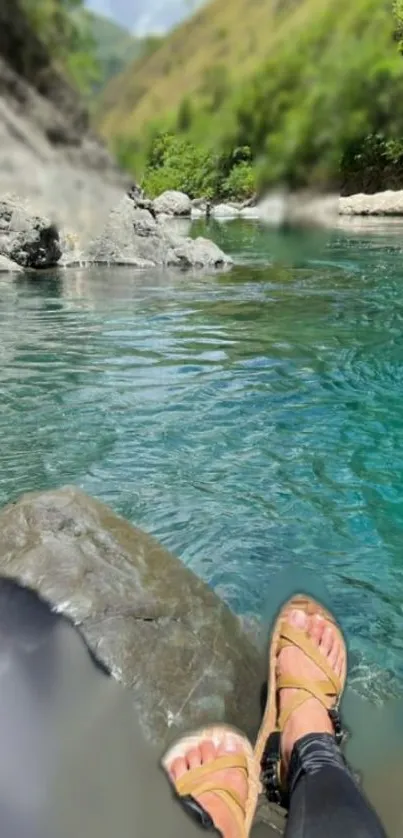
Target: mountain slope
(301, 82)
(230, 34)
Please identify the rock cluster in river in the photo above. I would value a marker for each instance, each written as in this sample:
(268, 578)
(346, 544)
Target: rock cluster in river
(133, 235)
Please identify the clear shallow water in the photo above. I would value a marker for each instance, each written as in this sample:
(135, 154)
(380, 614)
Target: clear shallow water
(250, 420)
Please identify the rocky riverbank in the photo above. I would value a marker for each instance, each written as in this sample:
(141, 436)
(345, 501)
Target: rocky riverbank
(388, 203)
(280, 207)
(139, 232)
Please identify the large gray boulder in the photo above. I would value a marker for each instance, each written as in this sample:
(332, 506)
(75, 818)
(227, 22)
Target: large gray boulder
(173, 203)
(27, 239)
(132, 236)
(162, 631)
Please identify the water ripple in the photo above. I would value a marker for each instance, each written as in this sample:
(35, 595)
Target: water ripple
(249, 421)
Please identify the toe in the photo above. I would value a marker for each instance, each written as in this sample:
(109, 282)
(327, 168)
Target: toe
(194, 758)
(178, 768)
(334, 654)
(208, 752)
(298, 619)
(326, 643)
(316, 628)
(228, 745)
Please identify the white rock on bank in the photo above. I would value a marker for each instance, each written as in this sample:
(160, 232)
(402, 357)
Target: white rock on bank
(173, 203)
(250, 212)
(389, 202)
(225, 211)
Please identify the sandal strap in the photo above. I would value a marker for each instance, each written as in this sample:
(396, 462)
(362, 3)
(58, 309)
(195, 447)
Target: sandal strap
(194, 778)
(221, 790)
(192, 784)
(293, 705)
(291, 636)
(236, 807)
(322, 690)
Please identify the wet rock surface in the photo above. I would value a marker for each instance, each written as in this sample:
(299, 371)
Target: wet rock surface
(161, 630)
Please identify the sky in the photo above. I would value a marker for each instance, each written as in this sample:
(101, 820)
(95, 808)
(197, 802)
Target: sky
(143, 17)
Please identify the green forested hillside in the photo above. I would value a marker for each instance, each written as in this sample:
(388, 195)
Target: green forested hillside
(306, 88)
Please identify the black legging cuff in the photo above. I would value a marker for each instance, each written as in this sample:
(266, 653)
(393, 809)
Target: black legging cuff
(311, 753)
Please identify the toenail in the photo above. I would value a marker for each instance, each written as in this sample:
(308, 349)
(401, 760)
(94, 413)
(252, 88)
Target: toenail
(230, 745)
(298, 619)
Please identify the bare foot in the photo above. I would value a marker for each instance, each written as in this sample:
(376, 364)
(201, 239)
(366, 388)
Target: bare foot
(311, 717)
(235, 778)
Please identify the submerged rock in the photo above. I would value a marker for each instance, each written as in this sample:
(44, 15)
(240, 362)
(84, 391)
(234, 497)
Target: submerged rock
(173, 203)
(161, 630)
(29, 240)
(133, 237)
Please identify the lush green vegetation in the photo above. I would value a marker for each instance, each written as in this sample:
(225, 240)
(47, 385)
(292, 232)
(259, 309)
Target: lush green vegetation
(175, 163)
(325, 106)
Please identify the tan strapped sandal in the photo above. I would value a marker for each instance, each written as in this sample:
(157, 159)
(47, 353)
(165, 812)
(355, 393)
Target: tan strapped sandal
(197, 781)
(327, 690)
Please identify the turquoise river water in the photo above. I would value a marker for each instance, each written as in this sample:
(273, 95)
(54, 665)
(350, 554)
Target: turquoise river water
(251, 420)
